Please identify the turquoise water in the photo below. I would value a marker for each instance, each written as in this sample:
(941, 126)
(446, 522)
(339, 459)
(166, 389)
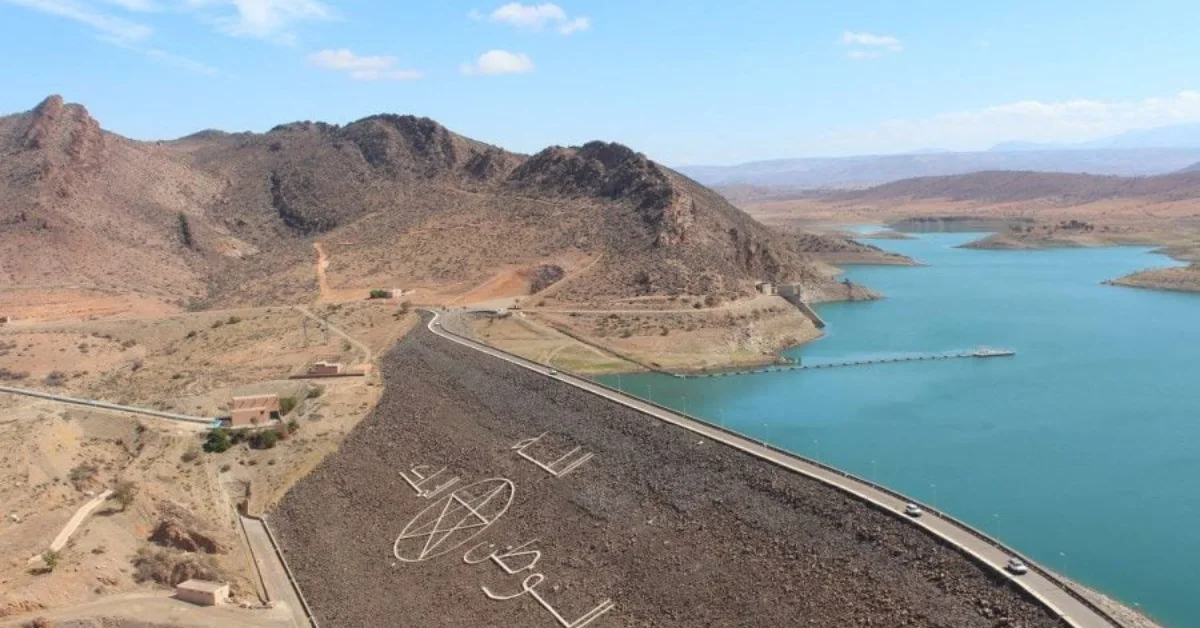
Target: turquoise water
(1083, 451)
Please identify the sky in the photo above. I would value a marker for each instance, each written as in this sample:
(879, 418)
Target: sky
(686, 82)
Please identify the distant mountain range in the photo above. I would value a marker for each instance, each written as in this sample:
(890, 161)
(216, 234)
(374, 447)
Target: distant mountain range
(1136, 153)
(1186, 136)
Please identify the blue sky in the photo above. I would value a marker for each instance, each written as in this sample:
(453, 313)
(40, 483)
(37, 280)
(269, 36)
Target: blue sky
(702, 81)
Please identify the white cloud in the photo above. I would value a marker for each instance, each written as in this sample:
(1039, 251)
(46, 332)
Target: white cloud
(167, 58)
(110, 26)
(499, 62)
(271, 20)
(864, 54)
(1028, 120)
(535, 17)
(363, 68)
(134, 5)
(575, 25)
(870, 45)
(117, 31)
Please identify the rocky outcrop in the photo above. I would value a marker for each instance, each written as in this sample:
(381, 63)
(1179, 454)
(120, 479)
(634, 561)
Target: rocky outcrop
(172, 533)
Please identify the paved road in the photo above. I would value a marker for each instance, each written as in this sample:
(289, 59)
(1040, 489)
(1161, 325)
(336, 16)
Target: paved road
(103, 405)
(1049, 592)
(275, 578)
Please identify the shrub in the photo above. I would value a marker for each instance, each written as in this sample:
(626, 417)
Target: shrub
(286, 405)
(190, 455)
(380, 294)
(185, 230)
(196, 305)
(82, 474)
(315, 392)
(233, 320)
(217, 441)
(265, 439)
(12, 376)
(293, 426)
(51, 558)
(125, 492)
(55, 379)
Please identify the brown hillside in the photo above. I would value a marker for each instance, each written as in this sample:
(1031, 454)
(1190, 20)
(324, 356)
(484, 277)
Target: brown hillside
(1014, 186)
(83, 207)
(396, 201)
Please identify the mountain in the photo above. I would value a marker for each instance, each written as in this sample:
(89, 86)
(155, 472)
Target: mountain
(1177, 136)
(854, 172)
(394, 200)
(1057, 188)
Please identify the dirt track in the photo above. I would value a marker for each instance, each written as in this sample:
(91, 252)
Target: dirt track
(676, 531)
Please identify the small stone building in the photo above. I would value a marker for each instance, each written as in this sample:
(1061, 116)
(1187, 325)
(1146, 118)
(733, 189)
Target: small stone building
(253, 410)
(325, 368)
(765, 287)
(202, 592)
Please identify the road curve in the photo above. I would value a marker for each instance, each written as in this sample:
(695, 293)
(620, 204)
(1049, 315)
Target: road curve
(1037, 582)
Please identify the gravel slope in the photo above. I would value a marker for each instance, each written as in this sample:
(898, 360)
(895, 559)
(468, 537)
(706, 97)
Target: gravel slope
(676, 531)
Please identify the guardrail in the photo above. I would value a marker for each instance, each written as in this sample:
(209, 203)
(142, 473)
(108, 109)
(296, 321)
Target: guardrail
(312, 619)
(1052, 577)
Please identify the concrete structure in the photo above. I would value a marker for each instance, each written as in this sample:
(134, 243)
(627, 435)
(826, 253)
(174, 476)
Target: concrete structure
(325, 368)
(253, 410)
(202, 592)
(1046, 587)
(765, 287)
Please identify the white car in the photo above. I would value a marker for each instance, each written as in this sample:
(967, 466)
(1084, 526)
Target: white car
(1017, 567)
(553, 372)
(913, 510)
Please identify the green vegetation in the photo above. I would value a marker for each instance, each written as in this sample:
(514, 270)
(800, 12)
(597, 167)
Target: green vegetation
(315, 392)
(125, 493)
(265, 439)
(51, 558)
(287, 404)
(196, 305)
(217, 441)
(185, 230)
(380, 294)
(81, 475)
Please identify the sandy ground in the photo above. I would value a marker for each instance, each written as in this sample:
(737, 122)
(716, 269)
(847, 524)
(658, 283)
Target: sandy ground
(651, 333)
(54, 456)
(155, 610)
(1186, 279)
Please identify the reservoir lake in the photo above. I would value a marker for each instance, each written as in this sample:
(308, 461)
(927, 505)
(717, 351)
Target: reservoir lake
(1082, 451)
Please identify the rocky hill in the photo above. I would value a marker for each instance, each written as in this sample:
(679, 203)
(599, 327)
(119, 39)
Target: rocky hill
(1014, 186)
(395, 200)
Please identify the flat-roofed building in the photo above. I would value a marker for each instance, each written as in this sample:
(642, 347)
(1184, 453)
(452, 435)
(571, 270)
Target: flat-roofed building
(253, 410)
(325, 368)
(202, 592)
